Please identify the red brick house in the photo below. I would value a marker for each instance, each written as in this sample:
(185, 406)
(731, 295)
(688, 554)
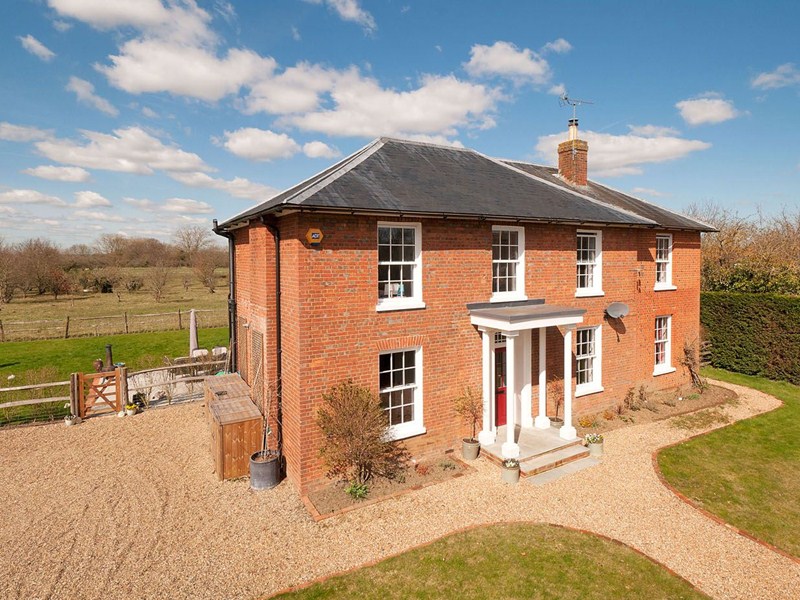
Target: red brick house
(418, 269)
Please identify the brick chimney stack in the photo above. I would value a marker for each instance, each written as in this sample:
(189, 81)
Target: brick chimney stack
(572, 157)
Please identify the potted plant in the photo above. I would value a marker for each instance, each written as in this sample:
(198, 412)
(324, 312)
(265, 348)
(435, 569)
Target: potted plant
(510, 472)
(555, 390)
(469, 406)
(595, 443)
(265, 471)
(71, 419)
(130, 409)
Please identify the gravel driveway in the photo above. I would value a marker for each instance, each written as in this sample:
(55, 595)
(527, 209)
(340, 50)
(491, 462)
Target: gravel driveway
(129, 508)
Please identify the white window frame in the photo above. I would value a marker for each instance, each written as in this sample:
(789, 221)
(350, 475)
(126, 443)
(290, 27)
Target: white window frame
(664, 285)
(519, 293)
(414, 427)
(597, 273)
(666, 366)
(408, 302)
(596, 384)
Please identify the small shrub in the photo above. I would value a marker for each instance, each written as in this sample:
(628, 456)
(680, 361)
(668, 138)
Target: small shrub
(447, 465)
(587, 421)
(631, 400)
(356, 443)
(357, 491)
(620, 409)
(469, 406)
(609, 415)
(693, 396)
(422, 469)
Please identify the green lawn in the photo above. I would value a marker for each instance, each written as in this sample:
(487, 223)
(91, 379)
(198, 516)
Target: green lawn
(747, 473)
(137, 350)
(510, 561)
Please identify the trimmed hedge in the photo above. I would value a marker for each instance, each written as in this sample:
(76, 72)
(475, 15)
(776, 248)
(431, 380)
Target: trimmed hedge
(754, 334)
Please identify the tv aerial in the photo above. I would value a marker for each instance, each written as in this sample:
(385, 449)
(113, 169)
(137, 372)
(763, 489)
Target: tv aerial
(565, 100)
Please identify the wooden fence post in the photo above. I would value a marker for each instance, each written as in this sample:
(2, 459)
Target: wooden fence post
(66, 329)
(2, 333)
(126, 321)
(180, 323)
(122, 387)
(74, 394)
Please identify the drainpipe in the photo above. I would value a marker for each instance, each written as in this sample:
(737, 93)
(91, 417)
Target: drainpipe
(231, 291)
(276, 235)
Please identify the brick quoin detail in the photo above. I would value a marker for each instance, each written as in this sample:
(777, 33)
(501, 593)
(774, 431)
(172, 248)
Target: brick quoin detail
(331, 331)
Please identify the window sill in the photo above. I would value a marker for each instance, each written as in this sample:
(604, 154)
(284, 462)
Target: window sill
(403, 432)
(664, 288)
(590, 388)
(663, 370)
(587, 293)
(507, 297)
(406, 304)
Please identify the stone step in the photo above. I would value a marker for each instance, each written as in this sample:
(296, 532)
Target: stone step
(562, 471)
(551, 460)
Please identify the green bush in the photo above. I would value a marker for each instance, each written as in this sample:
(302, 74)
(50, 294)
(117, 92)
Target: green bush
(754, 334)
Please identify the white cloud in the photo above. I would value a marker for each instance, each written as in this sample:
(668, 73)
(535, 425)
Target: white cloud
(652, 130)
(317, 149)
(130, 150)
(85, 93)
(614, 155)
(783, 76)
(154, 65)
(648, 192)
(225, 10)
(350, 10)
(238, 187)
(37, 48)
(504, 59)
(87, 199)
(364, 108)
(149, 113)
(440, 140)
(61, 26)
(187, 206)
(96, 215)
(296, 34)
(260, 144)
(707, 108)
(21, 133)
(141, 203)
(559, 46)
(557, 90)
(181, 20)
(295, 90)
(29, 197)
(54, 173)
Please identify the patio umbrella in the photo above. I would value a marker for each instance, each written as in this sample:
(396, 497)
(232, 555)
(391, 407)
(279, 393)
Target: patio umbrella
(192, 332)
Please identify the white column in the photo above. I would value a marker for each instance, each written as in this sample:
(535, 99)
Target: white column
(510, 449)
(567, 431)
(525, 400)
(487, 434)
(542, 422)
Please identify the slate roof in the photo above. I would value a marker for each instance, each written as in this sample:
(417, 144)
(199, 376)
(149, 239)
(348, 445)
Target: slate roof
(398, 177)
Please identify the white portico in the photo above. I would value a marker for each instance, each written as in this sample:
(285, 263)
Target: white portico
(512, 370)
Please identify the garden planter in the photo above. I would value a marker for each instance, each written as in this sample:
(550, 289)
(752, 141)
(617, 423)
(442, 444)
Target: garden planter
(130, 411)
(265, 471)
(69, 421)
(470, 448)
(595, 450)
(556, 421)
(510, 474)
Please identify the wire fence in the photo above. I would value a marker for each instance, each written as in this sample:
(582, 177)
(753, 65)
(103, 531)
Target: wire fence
(72, 327)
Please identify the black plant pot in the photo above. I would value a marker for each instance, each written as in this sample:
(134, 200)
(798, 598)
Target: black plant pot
(265, 470)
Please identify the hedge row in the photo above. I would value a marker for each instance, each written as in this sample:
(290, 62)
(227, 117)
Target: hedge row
(755, 334)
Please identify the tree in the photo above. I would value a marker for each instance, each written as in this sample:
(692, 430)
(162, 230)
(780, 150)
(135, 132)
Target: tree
(204, 268)
(191, 239)
(356, 443)
(156, 281)
(37, 260)
(8, 272)
(58, 283)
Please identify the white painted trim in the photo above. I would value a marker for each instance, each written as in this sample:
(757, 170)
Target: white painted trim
(587, 389)
(415, 427)
(533, 323)
(597, 288)
(519, 294)
(668, 284)
(665, 288)
(487, 435)
(526, 389)
(596, 385)
(663, 370)
(409, 302)
(666, 366)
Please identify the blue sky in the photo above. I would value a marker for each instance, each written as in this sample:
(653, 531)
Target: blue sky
(139, 116)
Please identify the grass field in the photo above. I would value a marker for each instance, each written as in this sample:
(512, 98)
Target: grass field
(182, 292)
(747, 473)
(509, 561)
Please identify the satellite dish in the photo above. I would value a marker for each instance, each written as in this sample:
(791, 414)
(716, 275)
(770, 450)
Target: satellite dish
(617, 310)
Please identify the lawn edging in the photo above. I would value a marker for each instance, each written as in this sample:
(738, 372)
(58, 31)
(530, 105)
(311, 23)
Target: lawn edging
(377, 561)
(681, 496)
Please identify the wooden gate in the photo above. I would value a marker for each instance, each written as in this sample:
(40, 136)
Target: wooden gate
(99, 392)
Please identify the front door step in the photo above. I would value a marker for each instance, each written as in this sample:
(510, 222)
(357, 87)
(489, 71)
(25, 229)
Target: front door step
(562, 471)
(551, 460)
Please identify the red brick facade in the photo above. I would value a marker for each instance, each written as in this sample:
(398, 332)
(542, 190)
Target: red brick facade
(331, 330)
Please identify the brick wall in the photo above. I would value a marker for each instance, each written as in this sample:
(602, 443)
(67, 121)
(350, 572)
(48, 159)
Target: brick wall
(332, 332)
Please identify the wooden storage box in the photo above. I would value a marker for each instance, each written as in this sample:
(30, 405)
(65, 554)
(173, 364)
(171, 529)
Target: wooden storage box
(235, 435)
(224, 386)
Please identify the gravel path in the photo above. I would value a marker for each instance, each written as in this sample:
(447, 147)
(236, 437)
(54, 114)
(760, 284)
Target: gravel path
(129, 508)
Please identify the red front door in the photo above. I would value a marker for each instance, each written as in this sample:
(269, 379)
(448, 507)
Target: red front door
(500, 386)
